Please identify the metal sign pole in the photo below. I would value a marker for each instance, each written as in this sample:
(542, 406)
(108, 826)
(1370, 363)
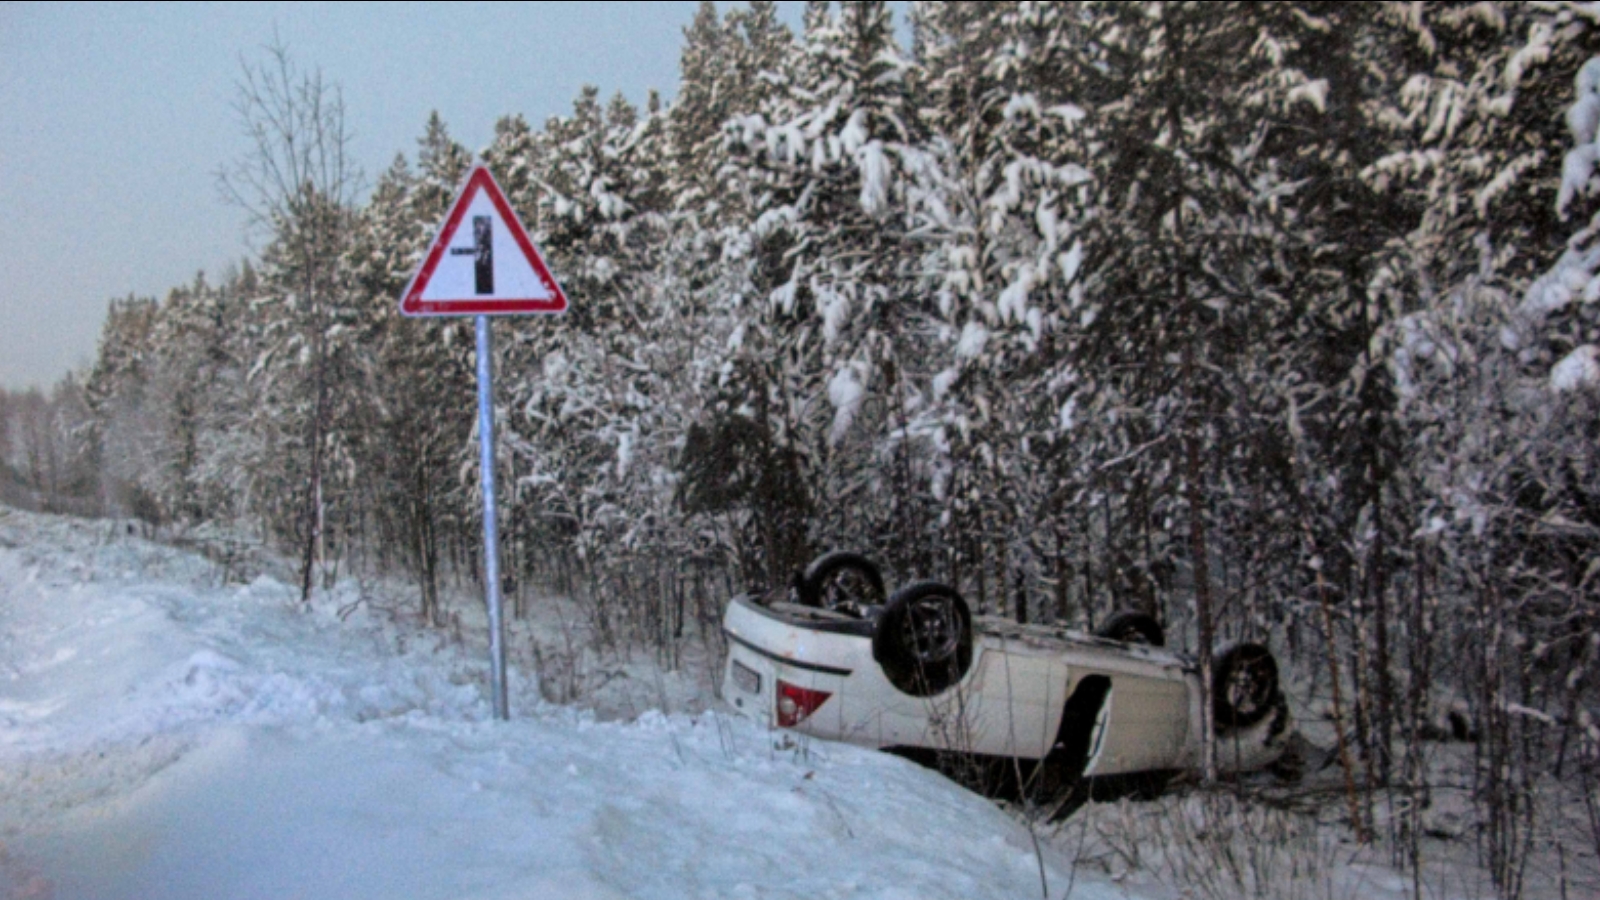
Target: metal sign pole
(460, 279)
(491, 544)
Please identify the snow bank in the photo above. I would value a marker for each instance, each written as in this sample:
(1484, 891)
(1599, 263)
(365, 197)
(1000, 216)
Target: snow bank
(162, 735)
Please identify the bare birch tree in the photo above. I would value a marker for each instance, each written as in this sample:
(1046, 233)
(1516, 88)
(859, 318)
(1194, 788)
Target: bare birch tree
(297, 182)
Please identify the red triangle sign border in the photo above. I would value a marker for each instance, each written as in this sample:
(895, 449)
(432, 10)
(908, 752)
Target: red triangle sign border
(478, 179)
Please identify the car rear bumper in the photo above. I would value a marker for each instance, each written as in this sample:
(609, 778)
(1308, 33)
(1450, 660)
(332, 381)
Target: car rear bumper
(806, 648)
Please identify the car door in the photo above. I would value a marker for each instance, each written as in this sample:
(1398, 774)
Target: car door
(1146, 723)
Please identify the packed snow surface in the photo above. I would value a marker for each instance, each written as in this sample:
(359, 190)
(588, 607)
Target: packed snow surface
(166, 734)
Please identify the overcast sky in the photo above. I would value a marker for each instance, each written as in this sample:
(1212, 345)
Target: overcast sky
(114, 119)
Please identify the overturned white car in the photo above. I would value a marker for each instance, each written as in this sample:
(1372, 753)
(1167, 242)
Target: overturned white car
(916, 673)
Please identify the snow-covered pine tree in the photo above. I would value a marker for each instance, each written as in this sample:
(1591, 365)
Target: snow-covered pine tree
(827, 288)
(580, 387)
(407, 449)
(1182, 329)
(115, 392)
(426, 421)
(722, 467)
(997, 210)
(708, 85)
(192, 382)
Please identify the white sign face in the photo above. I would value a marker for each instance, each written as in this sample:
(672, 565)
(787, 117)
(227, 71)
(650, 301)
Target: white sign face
(482, 262)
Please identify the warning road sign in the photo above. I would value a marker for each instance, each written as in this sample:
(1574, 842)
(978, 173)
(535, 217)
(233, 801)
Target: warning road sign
(482, 262)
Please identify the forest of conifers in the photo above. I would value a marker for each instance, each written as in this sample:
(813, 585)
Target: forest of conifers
(1275, 320)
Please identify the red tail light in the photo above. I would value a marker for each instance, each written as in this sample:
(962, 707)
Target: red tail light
(796, 703)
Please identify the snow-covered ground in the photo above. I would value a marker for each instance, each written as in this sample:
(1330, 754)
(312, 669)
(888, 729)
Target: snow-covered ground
(168, 732)
(165, 735)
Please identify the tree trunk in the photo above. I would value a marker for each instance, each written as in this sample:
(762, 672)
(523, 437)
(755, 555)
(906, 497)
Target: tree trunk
(1202, 571)
(1193, 493)
(313, 513)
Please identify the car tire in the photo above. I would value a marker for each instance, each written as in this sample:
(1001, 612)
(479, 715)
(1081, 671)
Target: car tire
(1244, 689)
(1133, 628)
(841, 581)
(923, 639)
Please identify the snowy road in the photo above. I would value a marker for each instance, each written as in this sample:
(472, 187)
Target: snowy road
(165, 736)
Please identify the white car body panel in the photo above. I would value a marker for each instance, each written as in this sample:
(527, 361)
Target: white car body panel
(1010, 702)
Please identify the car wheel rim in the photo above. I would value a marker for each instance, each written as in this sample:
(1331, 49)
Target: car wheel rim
(845, 588)
(933, 635)
(1250, 688)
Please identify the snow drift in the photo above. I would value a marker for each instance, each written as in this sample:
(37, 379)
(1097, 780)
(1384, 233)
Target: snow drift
(166, 735)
